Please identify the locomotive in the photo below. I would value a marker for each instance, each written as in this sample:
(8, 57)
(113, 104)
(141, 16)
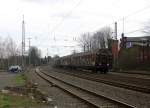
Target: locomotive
(100, 60)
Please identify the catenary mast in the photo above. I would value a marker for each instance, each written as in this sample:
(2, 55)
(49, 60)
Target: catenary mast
(23, 41)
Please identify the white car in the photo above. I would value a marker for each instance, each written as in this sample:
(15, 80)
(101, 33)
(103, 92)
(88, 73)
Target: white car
(15, 69)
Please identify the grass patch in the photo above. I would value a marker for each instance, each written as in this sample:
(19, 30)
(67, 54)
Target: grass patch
(20, 79)
(10, 101)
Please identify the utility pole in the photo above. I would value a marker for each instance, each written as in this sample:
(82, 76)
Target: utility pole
(29, 49)
(122, 35)
(116, 48)
(47, 55)
(123, 25)
(23, 41)
(116, 30)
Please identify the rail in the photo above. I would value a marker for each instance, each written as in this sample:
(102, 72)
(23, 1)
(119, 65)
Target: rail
(78, 94)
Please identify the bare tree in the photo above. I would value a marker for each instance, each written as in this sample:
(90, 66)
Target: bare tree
(97, 40)
(10, 51)
(34, 55)
(85, 41)
(56, 56)
(106, 34)
(10, 47)
(1, 54)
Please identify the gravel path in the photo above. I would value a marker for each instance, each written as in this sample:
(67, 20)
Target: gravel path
(60, 98)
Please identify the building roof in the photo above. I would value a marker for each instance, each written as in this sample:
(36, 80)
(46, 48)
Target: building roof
(138, 39)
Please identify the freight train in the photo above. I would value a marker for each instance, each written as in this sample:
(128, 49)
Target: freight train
(98, 61)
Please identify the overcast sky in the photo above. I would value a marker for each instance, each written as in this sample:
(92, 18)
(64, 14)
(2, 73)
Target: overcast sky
(53, 25)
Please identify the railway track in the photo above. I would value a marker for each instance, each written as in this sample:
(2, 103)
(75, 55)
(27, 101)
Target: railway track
(132, 75)
(136, 84)
(134, 72)
(88, 96)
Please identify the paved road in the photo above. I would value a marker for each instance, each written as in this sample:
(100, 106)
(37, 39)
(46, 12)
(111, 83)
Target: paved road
(6, 79)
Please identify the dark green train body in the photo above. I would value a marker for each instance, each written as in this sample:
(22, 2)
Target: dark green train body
(100, 60)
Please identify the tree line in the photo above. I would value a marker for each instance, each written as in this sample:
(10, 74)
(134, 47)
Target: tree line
(11, 54)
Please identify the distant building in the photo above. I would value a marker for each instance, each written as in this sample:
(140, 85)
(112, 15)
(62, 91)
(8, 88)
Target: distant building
(127, 42)
(135, 51)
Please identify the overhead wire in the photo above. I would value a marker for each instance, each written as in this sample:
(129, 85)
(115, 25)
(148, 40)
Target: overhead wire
(134, 31)
(137, 30)
(120, 19)
(125, 17)
(68, 14)
(138, 11)
(63, 19)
